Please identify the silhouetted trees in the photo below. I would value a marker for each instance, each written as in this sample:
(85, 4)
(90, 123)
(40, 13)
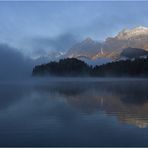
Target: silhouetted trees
(75, 67)
(65, 67)
(132, 68)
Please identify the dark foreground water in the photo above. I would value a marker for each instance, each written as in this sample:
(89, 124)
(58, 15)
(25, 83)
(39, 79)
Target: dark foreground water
(74, 113)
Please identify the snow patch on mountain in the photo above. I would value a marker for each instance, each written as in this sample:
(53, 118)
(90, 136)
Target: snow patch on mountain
(128, 33)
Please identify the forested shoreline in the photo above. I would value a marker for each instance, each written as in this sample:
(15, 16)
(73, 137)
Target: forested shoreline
(74, 67)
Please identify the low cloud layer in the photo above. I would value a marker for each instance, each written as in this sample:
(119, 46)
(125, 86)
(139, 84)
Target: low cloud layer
(38, 28)
(41, 46)
(13, 65)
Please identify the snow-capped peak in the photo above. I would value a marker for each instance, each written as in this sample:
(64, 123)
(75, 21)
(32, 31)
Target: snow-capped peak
(128, 33)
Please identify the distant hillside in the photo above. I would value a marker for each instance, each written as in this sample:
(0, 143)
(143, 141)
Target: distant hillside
(133, 52)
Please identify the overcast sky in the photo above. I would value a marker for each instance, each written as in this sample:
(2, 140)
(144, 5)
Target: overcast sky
(36, 28)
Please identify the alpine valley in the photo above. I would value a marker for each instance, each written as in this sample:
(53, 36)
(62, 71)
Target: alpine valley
(129, 43)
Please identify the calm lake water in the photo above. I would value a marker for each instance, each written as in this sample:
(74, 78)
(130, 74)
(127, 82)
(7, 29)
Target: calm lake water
(77, 112)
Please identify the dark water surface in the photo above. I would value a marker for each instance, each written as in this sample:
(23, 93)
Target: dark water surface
(74, 113)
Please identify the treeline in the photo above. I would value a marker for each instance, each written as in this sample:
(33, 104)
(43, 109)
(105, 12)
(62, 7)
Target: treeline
(75, 67)
(65, 67)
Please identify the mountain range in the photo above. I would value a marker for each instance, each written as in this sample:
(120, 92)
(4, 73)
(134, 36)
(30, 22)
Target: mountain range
(134, 40)
(128, 43)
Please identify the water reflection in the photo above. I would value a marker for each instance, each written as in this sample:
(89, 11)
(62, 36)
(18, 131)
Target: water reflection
(74, 113)
(128, 101)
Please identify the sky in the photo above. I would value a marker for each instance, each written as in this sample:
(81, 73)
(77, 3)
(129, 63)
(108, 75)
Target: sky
(37, 28)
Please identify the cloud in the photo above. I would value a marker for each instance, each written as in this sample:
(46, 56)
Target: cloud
(13, 64)
(46, 45)
(112, 17)
(61, 29)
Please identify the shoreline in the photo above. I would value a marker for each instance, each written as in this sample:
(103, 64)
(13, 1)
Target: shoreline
(45, 80)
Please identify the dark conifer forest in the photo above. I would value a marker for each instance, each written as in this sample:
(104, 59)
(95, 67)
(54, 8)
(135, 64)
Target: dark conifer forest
(74, 67)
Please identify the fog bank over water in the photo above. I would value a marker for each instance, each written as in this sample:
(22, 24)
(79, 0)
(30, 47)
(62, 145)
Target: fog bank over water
(13, 65)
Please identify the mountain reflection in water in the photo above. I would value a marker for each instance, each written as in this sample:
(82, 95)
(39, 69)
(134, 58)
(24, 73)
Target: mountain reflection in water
(128, 101)
(33, 111)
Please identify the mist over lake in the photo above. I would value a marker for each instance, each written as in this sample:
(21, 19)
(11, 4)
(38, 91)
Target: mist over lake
(73, 73)
(74, 112)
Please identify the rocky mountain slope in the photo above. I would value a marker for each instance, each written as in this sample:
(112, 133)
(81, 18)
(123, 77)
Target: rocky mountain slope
(112, 47)
(134, 53)
(87, 48)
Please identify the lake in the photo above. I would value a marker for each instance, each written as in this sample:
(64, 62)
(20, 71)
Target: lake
(74, 112)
